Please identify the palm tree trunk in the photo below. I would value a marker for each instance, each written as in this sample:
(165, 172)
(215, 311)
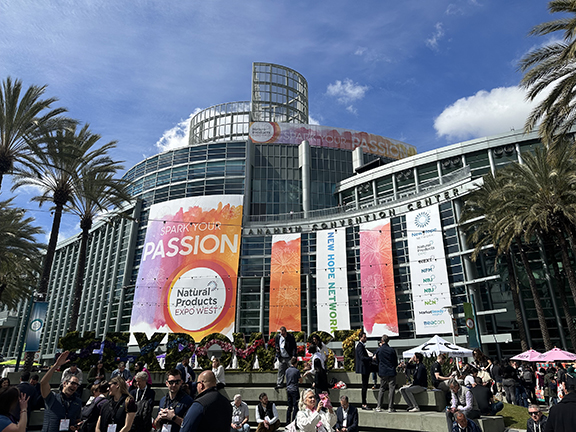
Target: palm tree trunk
(566, 261)
(516, 301)
(536, 297)
(561, 283)
(79, 279)
(50, 252)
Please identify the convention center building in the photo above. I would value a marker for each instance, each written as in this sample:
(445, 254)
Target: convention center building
(266, 220)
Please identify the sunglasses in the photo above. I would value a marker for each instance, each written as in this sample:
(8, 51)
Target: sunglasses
(174, 382)
(535, 412)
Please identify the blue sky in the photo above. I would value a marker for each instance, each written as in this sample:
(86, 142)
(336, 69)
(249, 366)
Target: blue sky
(427, 72)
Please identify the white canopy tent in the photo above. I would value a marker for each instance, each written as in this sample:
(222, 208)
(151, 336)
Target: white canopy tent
(437, 346)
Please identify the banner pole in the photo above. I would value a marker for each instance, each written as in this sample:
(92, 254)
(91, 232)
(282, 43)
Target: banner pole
(24, 332)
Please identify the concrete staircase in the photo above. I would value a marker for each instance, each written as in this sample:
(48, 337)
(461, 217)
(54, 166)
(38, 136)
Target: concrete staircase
(250, 385)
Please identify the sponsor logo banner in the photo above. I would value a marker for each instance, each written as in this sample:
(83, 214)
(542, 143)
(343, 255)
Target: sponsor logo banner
(325, 136)
(188, 273)
(428, 272)
(285, 283)
(35, 326)
(332, 281)
(377, 278)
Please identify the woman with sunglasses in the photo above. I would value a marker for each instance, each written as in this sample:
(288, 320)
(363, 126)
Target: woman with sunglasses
(537, 420)
(119, 411)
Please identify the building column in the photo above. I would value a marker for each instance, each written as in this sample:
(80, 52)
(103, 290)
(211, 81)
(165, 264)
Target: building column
(308, 305)
(238, 294)
(304, 162)
(262, 304)
(416, 180)
(439, 169)
(491, 160)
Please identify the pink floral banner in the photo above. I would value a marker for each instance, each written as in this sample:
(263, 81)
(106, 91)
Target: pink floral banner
(377, 278)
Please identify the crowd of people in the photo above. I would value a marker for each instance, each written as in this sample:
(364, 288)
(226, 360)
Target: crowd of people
(125, 402)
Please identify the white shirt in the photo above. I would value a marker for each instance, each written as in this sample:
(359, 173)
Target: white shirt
(345, 417)
(283, 352)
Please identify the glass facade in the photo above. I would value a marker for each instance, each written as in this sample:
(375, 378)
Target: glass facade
(276, 181)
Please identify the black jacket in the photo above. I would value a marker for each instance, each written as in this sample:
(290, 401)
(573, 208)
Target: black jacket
(290, 345)
(363, 360)
(387, 360)
(562, 417)
(215, 414)
(419, 373)
(352, 418)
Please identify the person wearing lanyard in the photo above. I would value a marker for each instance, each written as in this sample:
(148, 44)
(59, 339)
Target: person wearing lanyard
(144, 397)
(119, 411)
(63, 410)
(174, 405)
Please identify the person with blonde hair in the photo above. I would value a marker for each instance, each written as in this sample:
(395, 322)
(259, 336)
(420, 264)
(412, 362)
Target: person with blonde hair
(120, 408)
(314, 417)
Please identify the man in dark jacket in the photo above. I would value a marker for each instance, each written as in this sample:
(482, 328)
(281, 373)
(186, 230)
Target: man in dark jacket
(144, 397)
(562, 416)
(285, 346)
(347, 416)
(537, 421)
(387, 362)
(362, 366)
(419, 383)
(211, 411)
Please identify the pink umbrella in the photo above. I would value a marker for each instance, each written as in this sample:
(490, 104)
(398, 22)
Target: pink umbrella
(556, 354)
(528, 356)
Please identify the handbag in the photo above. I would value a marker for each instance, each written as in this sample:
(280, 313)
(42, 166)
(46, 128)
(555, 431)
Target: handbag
(291, 427)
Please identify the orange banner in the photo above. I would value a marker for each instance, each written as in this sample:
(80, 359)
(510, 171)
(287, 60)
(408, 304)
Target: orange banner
(285, 283)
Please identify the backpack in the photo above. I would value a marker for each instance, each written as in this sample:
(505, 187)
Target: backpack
(527, 376)
(143, 419)
(90, 414)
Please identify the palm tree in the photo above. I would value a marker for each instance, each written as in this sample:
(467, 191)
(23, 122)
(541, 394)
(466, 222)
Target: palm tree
(553, 66)
(480, 219)
(545, 201)
(59, 159)
(22, 118)
(20, 254)
(95, 191)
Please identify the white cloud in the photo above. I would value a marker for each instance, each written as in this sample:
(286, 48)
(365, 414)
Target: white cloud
(177, 136)
(312, 120)
(432, 42)
(346, 91)
(360, 51)
(485, 113)
(351, 109)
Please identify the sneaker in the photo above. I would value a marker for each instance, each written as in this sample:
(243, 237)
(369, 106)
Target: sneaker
(366, 407)
(415, 409)
(391, 410)
(409, 408)
(374, 387)
(378, 409)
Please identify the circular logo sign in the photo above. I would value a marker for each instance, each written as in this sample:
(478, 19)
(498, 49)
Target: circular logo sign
(36, 325)
(197, 298)
(262, 132)
(422, 219)
(470, 323)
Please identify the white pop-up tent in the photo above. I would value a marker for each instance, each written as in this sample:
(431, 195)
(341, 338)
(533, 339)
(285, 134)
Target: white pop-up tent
(437, 346)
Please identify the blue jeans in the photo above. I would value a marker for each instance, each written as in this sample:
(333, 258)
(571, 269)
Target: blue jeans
(497, 407)
(245, 428)
(521, 396)
(293, 397)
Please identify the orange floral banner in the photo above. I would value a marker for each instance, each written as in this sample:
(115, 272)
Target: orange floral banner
(285, 283)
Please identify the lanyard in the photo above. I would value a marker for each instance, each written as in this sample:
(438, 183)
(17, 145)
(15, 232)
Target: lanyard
(115, 407)
(66, 404)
